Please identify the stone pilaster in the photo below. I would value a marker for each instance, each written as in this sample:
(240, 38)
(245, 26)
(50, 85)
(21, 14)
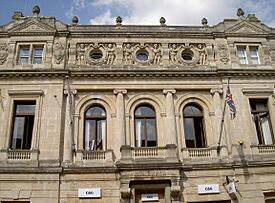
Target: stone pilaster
(170, 117)
(217, 103)
(68, 130)
(120, 116)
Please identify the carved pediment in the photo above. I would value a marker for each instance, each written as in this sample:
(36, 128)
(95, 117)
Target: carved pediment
(32, 26)
(246, 28)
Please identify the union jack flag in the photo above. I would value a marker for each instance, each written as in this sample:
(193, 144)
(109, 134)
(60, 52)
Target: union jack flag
(230, 103)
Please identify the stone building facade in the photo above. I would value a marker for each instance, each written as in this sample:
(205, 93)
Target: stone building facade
(122, 113)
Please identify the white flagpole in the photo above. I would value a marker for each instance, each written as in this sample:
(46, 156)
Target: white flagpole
(222, 123)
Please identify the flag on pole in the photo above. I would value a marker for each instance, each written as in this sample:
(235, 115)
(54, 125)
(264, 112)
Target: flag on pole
(230, 103)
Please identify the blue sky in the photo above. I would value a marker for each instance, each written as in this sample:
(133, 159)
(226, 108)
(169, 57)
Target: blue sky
(176, 12)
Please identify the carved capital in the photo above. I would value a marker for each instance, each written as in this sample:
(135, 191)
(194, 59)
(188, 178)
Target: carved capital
(216, 90)
(172, 91)
(117, 91)
(125, 193)
(73, 91)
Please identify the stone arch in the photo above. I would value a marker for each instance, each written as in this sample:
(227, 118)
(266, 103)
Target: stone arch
(207, 110)
(132, 104)
(82, 105)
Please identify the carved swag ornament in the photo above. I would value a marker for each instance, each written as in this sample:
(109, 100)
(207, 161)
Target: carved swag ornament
(188, 54)
(147, 54)
(95, 54)
(3, 53)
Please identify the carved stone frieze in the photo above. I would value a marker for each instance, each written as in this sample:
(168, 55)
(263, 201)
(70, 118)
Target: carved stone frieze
(3, 53)
(147, 54)
(59, 52)
(188, 54)
(272, 54)
(223, 53)
(95, 54)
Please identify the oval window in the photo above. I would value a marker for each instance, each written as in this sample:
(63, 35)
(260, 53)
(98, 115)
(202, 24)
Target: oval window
(187, 55)
(96, 54)
(142, 55)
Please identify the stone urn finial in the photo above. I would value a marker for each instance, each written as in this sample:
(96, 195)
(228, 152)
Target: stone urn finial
(162, 21)
(74, 20)
(36, 10)
(240, 12)
(17, 15)
(204, 22)
(118, 20)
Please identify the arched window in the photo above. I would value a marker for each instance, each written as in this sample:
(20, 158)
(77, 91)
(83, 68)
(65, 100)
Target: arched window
(95, 128)
(145, 127)
(193, 127)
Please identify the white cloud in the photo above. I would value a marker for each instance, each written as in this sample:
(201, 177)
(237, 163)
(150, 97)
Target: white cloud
(104, 19)
(179, 12)
(77, 5)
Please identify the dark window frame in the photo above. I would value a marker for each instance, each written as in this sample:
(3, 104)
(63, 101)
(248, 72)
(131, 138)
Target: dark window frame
(29, 119)
(146, 119)
(96, 119)
(198, 127)
(256, 118)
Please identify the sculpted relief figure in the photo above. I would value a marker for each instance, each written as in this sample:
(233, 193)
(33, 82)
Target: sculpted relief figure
(128, 51)
(80, 58)
(59, 52)
(110, 54)
(173, 54)
(223, 53)
(157, 54)
(3, 53)
(202, 54)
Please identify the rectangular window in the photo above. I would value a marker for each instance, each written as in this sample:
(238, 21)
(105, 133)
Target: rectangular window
(242, 55)
(248, 55)
(23, 121)
(30, 54)
(261, 121)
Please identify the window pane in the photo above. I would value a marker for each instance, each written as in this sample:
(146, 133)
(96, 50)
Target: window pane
(37, 55)
(242, 55)
(100, 134)
(189, 132)
(25, 108)
(192, 111)
(145, 111)
(24, 52)
(18, 132)
(140, 135)
(89, 135)
(266, 131)
(151, 132)
(95, 112)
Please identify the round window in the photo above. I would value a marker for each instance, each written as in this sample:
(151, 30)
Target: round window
(142, 55)
(187, 55)
(96, 54)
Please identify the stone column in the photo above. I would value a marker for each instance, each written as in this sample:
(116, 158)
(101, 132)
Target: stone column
(120, 116)
(170, 126)
(68, 130)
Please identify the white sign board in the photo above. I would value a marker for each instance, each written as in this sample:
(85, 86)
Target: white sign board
(231, 188)
(149, 197)
(89, 193)
(208, 189)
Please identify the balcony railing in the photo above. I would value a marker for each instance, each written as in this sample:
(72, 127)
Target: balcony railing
(19, 155)
(200, 154)
(149, 154)
(266, 149)
(95, 158)
(263, 151)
